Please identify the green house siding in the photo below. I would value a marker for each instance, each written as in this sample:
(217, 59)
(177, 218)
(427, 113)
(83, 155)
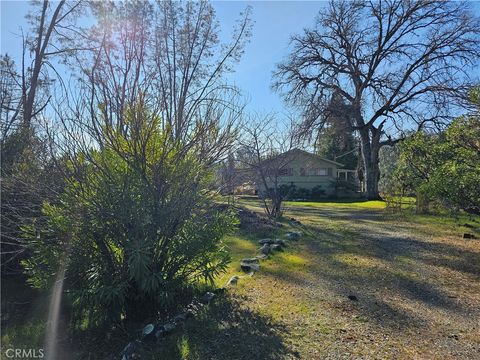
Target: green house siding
(307, 171)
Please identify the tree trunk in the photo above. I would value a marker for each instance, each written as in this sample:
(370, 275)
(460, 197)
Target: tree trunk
(370, 148)
(422, 203)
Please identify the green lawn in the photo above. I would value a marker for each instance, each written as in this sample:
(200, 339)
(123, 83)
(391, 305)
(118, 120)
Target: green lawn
(372, 204)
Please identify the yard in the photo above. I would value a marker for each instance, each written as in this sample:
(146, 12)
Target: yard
(414, 282)
(127, 127)
(360, 284)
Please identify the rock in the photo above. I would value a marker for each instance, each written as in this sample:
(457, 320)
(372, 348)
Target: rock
(233, 280)
(169, 327)
(205, 299)
(219, 291)
(180, 317)
(280, 242)
(254, 260)
(352, 297)
(454, 336)
(160, 332)
(163, 330)
(129, 351)
(265, 249)
(276, 247)
(249, 267)
(265, 241)
(148, 332)
(294, 235)
(468, 236)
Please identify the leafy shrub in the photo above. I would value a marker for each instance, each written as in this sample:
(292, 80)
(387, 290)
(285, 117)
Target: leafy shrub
(135, 226)
(317, 193)
(443, 167)
(292, 192)
(287, 192)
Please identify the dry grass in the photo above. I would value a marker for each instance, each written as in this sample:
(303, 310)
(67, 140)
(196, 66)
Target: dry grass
(416, 280)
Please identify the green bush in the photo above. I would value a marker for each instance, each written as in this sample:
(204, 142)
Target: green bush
(292, 192)
(135, 226)
(444, 167)
(317, 193)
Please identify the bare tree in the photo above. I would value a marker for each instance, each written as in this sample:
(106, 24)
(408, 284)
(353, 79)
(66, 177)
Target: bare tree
(169, 54)
(227, 175)
(395, 64)
(27, 175)
(53, 25)
(189, 66)
(264, 153)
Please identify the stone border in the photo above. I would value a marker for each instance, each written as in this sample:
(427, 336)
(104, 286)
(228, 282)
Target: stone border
(154, 332)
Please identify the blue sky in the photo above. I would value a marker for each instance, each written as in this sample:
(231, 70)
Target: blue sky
(274, 23)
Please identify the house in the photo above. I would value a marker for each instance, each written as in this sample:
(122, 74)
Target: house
(306, 171)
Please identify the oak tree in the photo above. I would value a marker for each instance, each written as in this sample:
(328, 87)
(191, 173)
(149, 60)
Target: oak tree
(396, 64)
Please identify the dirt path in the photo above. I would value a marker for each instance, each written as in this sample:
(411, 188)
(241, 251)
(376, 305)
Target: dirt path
(359, 285)
(415, 289)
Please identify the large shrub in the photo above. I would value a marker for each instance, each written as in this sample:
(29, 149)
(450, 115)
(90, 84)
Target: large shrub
(135, 226)
(444, 167)
(292, 192)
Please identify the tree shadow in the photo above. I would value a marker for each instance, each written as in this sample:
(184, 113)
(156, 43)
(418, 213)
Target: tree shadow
(228, 329)
(405, 242)
(381, 264)
(408, 278)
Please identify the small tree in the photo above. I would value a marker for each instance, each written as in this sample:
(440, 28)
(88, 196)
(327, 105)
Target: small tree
(262, 153)
(136, 140)
(445, 166)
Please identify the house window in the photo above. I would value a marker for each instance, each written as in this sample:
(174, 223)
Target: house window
(320, 172)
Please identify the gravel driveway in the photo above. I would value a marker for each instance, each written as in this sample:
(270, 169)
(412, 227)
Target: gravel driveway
(367, 285)
(360, 284)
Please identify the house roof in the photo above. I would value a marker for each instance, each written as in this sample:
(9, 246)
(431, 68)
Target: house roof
(317, 157)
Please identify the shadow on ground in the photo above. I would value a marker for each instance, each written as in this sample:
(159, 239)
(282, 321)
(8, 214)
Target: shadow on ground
(228, 329)
(395, 272)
